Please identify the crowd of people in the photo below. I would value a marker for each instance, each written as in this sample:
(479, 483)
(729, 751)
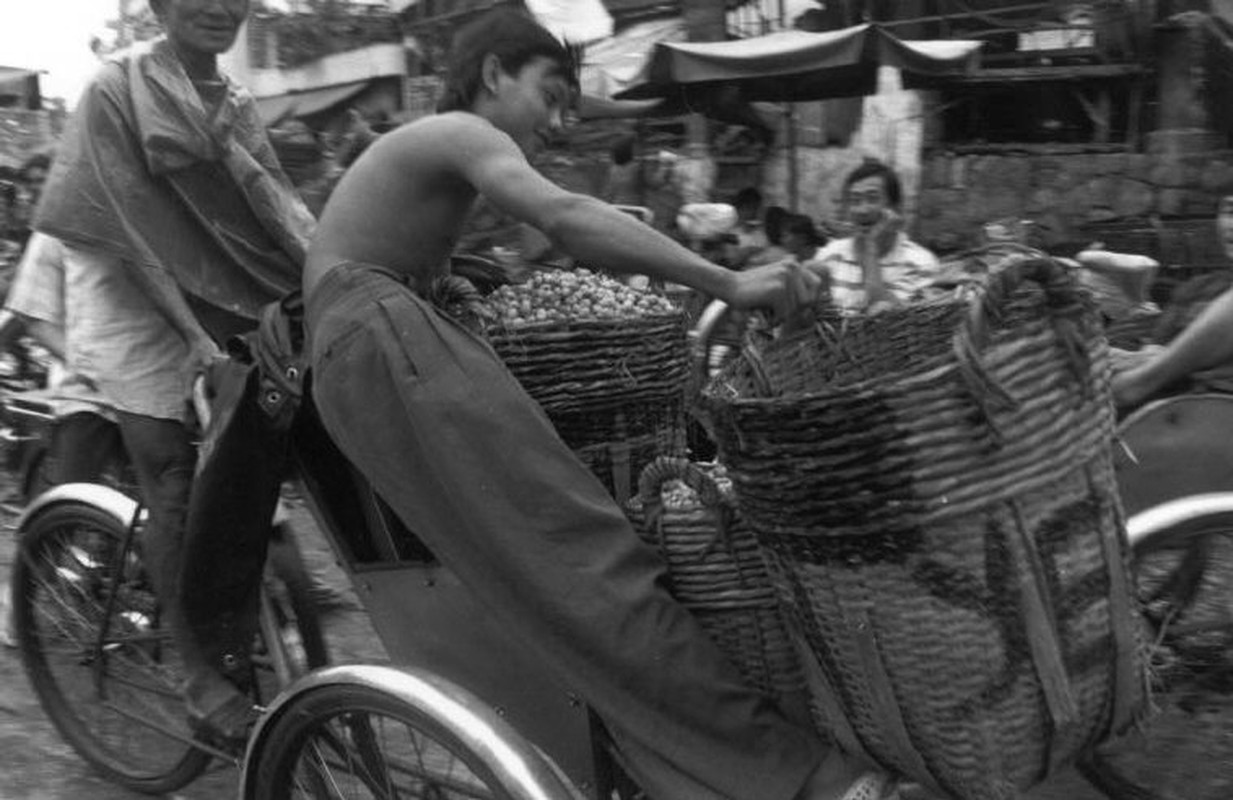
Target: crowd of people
(19, 194)
(876, 265)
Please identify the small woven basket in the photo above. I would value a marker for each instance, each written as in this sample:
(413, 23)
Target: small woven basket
(934, 489)
(715, 569)
(614, 389)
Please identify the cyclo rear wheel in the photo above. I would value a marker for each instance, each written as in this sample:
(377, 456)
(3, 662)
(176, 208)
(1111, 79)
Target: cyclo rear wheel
(1184, 577)
(98, 654)
(348, 741)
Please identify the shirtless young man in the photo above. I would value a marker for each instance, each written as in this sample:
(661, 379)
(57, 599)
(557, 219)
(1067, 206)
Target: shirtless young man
(434, 420)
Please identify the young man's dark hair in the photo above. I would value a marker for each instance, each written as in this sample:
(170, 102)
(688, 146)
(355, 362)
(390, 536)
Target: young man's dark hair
(870, 168)
(623, 150)
(773, 220)
(801, 225)
(749, 197)
(514, 38)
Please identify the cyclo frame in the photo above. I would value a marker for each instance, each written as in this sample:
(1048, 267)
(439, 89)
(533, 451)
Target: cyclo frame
(433, 625)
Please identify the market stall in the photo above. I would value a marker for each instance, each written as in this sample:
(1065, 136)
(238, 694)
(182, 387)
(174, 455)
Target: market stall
(791, 66)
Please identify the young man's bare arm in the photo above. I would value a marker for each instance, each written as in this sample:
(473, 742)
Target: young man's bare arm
(594, 231)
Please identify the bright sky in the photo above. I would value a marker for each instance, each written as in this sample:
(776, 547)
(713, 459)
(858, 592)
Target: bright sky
(54, 35)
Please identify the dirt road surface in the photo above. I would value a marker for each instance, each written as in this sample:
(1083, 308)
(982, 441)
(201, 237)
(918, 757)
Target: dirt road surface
(35, 763)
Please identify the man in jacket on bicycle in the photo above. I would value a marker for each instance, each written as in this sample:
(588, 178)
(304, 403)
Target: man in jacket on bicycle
(444, 433)
(178, 226)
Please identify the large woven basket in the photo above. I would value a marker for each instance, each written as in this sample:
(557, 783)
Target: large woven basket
(934, 490)
(589, 364)
(716, 570)
(614, 389)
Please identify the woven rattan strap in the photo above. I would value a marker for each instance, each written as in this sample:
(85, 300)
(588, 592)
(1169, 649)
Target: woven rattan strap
(1127, 689)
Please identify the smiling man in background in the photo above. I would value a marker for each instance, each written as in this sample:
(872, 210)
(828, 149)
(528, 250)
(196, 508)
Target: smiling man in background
(878, 265)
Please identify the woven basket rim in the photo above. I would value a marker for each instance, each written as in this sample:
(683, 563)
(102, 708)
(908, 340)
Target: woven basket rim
(583, 324)
(719, 391)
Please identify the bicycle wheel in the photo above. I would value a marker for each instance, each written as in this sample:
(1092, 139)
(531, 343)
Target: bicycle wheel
(354, 741)
(1184, 576)
(105, 670)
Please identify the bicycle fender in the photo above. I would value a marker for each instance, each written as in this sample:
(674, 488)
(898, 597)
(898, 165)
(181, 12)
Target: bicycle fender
(1174, 513)
(104, 498)
(532, 776)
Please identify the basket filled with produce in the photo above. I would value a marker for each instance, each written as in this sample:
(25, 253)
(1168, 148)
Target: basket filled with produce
(608, 363)
(687, 512)
(933, 491)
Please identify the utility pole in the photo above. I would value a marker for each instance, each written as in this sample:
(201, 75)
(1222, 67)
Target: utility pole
(789, 121)
(705, 21)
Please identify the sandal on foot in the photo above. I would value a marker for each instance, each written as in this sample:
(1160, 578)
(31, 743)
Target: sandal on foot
(872, 786)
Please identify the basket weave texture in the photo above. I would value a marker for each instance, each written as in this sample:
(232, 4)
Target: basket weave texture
(716, 570)
(614, 389)
(934, 492)
(590, 364)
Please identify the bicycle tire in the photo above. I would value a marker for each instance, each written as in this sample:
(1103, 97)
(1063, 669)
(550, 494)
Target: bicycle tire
(1184, 576)
(107, 699)
(313, 745)
(117, 473)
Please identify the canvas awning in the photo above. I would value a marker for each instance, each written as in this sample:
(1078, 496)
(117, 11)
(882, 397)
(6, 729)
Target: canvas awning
(580, 21)
(795, 65)
(307, 102)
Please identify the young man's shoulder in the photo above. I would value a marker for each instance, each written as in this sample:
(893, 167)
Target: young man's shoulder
(448, 123)
(451, 135)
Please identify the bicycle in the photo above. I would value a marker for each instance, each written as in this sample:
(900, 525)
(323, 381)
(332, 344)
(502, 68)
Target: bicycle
(100, 659)
(477, 716)
(323, 729)
(1183, 563)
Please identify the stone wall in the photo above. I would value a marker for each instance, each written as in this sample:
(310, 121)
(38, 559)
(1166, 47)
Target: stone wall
(1073, 194)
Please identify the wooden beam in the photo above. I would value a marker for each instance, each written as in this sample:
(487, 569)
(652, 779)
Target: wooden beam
(1079, 72)
(966, 14)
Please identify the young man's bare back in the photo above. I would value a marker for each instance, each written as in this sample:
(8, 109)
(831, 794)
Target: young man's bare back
(401, 206)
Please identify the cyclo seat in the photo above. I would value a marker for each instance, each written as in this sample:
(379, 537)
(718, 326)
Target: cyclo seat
(365, 524)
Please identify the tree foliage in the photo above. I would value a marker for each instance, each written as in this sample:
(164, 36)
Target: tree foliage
(133, 24)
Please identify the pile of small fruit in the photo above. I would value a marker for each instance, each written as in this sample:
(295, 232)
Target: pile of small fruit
(571, 295)
(678, 495)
